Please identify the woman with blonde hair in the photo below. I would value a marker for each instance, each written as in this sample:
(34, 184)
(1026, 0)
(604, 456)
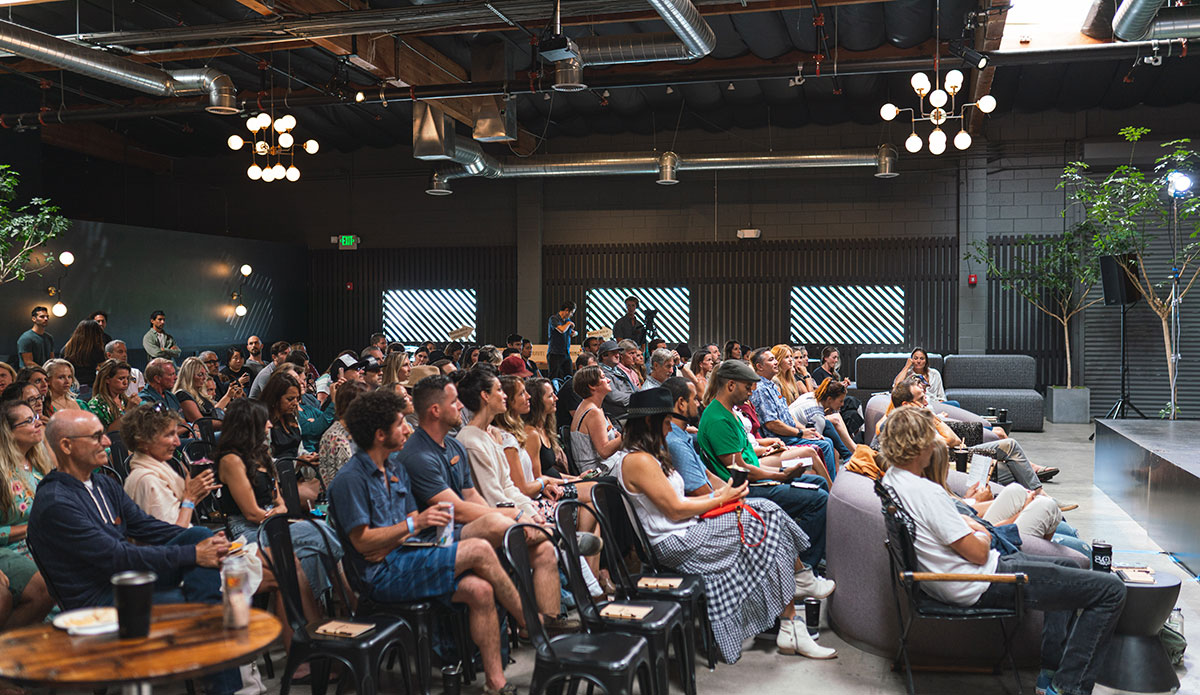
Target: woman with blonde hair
(804, 381)
(190, 389)
(786, 377)
(8, 376)
(396, 368)
(109, 401)
(60, 376)
(24, 461)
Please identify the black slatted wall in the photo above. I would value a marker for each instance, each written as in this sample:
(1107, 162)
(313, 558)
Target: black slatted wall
(1017, 327)
(337, 314)
(740, 290)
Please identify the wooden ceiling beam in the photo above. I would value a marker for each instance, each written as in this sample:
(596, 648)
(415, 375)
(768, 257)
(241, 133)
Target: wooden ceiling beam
(97, 141)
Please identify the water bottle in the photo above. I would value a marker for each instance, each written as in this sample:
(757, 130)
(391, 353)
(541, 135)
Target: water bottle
(235, 581)
(447, 535)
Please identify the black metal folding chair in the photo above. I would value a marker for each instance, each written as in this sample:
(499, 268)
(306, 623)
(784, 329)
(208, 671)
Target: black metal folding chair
(906, 579)
(612, 661)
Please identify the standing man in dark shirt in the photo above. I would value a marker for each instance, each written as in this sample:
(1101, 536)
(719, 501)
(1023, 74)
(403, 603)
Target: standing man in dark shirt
(102, 318)
(629, 326)
(36, 346)
(561, 328)
(440, 471)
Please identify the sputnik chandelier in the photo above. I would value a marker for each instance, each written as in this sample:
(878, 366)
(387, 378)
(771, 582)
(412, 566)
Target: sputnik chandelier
(938, 114)
(277, 146)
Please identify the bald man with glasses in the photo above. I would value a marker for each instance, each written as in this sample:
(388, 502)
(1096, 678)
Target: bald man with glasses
(83, 529)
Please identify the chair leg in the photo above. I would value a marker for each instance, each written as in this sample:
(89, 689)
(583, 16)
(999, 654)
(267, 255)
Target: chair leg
(710, 647)
(424, 651)
(268, 666)
(289, 668)
(190, 687)
(685, 650)
(320, 675)
(1012, 664)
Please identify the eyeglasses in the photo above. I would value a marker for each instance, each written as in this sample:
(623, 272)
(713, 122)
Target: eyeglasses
(97, 437)
(160, 406)
(211, 362)
(27, 421)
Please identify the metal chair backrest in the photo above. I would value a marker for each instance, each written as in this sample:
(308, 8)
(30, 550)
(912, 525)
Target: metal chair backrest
(203, 428)
(608, 496)
(564, 438)
(355, 564)
(566, 522)
(281, 560)
(285, 476)
(901, 530)
(516, 550)
(118, 454)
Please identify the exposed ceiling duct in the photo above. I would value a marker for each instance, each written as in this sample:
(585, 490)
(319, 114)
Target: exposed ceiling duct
(1137, 20)
(222, 95)
(434, 139)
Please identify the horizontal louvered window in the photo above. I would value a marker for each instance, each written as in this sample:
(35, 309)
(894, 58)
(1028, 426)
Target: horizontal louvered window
(848, 315)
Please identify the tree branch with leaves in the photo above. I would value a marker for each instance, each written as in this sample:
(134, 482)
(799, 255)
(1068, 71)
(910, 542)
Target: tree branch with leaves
(23, 228)
(1056, 274)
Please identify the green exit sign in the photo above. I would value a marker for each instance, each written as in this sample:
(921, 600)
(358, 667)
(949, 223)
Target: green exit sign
(348, 242)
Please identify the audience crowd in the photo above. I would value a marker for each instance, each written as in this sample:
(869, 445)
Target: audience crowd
(421, 460)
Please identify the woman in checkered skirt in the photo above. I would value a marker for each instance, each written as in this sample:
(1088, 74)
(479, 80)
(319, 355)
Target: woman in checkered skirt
(749, 582)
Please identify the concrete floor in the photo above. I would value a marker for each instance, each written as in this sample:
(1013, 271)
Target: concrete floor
(764, 672)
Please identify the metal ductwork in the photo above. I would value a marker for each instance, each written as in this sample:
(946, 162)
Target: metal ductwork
(35, 45)
(1137, 20)
(471, 161)
(691, 38)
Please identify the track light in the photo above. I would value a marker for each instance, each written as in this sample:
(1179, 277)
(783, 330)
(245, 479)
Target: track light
(730, 88)
(969, 55)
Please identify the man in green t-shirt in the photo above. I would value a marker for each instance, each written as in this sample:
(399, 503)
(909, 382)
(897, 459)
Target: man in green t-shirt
(724, 444)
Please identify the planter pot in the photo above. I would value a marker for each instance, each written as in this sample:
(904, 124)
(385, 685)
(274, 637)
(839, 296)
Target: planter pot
(1064, 405)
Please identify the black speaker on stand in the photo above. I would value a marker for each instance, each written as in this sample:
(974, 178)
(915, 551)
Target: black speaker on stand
(1120, 290)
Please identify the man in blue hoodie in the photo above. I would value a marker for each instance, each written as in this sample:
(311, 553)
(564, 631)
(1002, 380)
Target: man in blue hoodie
(82, 526)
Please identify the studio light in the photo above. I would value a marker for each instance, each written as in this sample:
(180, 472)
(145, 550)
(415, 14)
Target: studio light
(969, 55)
(1179, 184)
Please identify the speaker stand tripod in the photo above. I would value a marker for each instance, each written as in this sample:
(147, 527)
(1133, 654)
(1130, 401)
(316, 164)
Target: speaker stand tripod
(1118, 409)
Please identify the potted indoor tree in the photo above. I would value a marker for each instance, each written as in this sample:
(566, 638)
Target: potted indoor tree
(1127, 208)
(1056, 273)
(23, 228)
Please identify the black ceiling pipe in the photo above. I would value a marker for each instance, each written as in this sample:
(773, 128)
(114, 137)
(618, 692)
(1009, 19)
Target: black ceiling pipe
(1171, 48)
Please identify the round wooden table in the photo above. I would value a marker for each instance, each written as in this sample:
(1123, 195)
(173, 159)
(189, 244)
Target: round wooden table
(186, 640)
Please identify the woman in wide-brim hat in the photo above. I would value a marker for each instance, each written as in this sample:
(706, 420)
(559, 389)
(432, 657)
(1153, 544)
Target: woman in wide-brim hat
(748, 586)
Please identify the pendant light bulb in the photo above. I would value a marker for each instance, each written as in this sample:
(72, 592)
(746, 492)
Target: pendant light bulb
(987, 103)
(252, 124)
(280, 172)
(279, 125)
(246, 270)
(59, 309)
(888, 111)
(293, 173)
(954, 81)
(235, 142)
(240, 310)
(311, 146)
(255, 172)
(920, 83)
(261, 147)
(66, 258)
(268, 174)
(289, 122)
(938, 98)
(913, 143)
(963, 140)
(286, 140)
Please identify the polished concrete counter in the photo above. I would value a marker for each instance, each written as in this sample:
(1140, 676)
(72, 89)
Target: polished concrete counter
(1151, 468)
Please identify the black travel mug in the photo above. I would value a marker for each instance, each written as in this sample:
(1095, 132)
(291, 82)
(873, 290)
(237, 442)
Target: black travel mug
(991, 412)
(1101, 556)
(812, 616)
(452, 679)
(1002, 415)
(961, 455)
(133, 596)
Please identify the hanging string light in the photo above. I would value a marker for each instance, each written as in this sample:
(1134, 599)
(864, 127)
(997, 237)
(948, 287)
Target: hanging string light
(276, 147)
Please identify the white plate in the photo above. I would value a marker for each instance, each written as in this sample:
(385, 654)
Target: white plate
(88, 621)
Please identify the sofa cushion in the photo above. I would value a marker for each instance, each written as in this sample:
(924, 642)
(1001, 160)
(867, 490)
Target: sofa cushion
(988, 372)
(876, 370)
(1026, 407)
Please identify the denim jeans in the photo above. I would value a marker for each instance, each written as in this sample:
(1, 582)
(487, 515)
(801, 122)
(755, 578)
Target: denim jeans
(1011, 463)
(835, 439)
(1059, 588)
(806, 506)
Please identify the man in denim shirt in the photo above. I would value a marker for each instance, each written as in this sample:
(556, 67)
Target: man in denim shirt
(773, 413)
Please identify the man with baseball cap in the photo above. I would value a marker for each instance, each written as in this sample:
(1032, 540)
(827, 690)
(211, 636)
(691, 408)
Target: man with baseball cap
(617, 402)
(725, 445)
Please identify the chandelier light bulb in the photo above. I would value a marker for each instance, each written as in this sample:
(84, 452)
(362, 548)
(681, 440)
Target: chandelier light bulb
(279, 171)
(235, 142)
(246, 270)
(286, 140)
(289, 121)
(937, 146)
(938, 116)
(293, 173)
(260, 147)
(252, 124)
(66, 258)
(311, 146)
(920, 83)
(279, 125)
(888, 111)
(268, 174)
(59, 309)
(254, 172)
(360, 97)
(240, 310)
(938, 98)
(264, 121)
(938, 135)
(987, 103)
(913, 143)
(954, 81)
(963, 140)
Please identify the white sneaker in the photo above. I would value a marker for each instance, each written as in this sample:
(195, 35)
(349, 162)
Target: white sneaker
(809, 585)
(793, 639)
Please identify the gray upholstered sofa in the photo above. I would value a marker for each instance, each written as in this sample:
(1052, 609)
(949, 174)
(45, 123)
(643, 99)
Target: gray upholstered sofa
(978, 382)
(874, 372)
(862, 610)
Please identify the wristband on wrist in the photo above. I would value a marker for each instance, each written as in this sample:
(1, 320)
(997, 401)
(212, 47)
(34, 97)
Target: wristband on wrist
(412, 528)
(518, 516)
(188, 504)
(712, 495)
(543, 482)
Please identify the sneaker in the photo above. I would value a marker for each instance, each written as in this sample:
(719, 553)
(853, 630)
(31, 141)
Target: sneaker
(1047, 473)
(809, 585)
(793, 639)
(561, 624)
(506, 689)
(589, 543)
(1043, 681)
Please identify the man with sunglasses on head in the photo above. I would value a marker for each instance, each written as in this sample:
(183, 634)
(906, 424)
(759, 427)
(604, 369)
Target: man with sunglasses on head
(83, 529)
